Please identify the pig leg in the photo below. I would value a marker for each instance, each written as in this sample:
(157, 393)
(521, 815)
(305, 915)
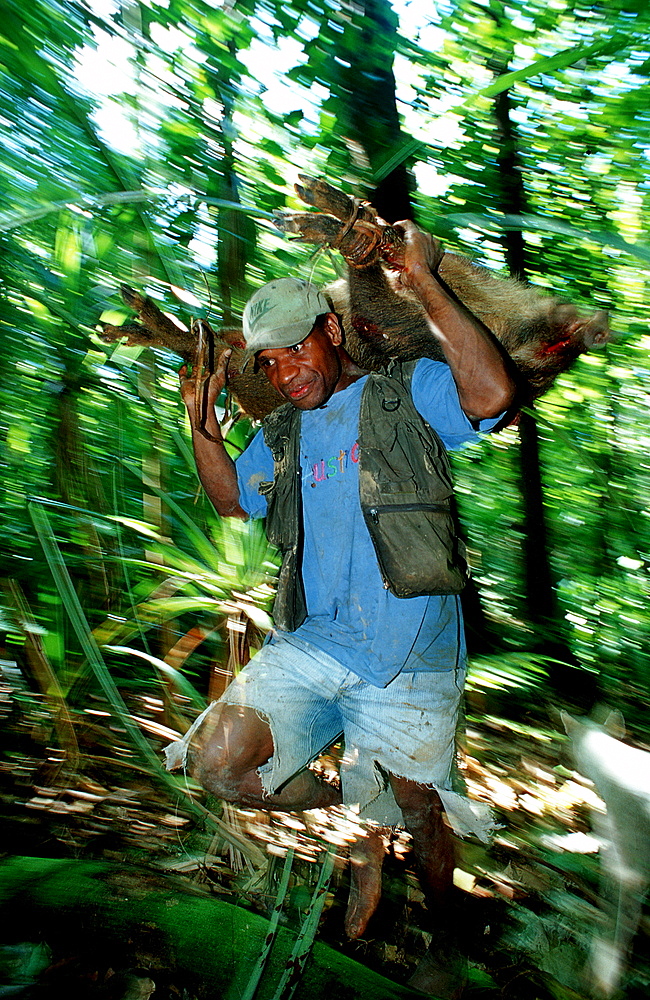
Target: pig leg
(621, 900)
(346, 224)
(317, 192)
(622, 889)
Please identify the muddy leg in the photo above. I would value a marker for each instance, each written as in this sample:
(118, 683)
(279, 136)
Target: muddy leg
(229, 751)
(443, 970)
(366, 861)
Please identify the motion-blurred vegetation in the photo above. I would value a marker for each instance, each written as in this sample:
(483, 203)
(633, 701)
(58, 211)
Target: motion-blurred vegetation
(149, 143)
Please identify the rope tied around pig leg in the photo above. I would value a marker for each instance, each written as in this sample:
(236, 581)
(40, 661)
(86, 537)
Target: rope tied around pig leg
(364, 237)
(354, 214)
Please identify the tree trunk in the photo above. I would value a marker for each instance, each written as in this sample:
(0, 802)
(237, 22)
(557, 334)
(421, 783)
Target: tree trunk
(236, 229)
(367, 93)
(103, 921)
(541, 597)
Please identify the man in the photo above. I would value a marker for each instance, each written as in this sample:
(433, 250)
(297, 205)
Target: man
(368, 640)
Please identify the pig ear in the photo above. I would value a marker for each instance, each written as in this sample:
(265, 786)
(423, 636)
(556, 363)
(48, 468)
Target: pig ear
(615, 725)
(594, 330)
(599, 323)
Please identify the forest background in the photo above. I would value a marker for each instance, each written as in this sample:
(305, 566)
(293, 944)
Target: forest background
(150, 143)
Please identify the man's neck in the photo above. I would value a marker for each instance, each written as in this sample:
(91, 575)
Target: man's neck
(350, 371)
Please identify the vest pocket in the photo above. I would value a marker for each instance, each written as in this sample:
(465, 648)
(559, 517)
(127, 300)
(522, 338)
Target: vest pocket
(417, 548)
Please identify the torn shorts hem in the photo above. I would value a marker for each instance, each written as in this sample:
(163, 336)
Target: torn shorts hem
(407, 728)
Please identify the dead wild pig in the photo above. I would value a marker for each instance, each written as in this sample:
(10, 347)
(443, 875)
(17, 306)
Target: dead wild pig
(542, 334)
(382, 320)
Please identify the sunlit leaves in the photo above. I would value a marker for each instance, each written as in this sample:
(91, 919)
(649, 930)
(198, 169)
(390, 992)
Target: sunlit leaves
(155, 178)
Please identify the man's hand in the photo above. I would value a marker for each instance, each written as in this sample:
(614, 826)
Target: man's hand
(422, 254)
(196, 384)
(479, 365)
(215, 467)
(200, 393)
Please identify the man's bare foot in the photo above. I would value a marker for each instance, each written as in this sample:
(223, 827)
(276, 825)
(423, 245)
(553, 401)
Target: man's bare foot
(366, 860)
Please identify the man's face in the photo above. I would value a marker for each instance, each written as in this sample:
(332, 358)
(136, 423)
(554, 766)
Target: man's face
(308, 373)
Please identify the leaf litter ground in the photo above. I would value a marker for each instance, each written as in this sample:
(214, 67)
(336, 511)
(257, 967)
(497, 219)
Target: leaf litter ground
(528, 903)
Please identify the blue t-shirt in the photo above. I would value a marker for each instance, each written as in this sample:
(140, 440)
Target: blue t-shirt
(351, 615)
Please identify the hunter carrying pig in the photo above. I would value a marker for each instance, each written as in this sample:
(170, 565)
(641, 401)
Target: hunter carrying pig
(352, 477)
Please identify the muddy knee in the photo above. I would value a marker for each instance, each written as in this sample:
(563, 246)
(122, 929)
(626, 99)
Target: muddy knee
(227, 751)
(210, 767)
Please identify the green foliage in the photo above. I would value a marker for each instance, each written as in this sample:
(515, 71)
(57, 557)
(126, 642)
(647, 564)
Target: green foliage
(151, 168)
(150, 144)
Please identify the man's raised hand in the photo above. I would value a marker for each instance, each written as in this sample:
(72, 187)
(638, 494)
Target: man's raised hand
(200, 392)
(422, 253)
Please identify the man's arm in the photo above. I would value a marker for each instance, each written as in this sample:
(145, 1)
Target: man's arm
(215, 466)
(480, 369)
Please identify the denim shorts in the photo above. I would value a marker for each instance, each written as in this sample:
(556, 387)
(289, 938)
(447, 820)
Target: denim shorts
(407, 728)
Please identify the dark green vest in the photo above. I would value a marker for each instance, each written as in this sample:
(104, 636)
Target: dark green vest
(405, 491)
